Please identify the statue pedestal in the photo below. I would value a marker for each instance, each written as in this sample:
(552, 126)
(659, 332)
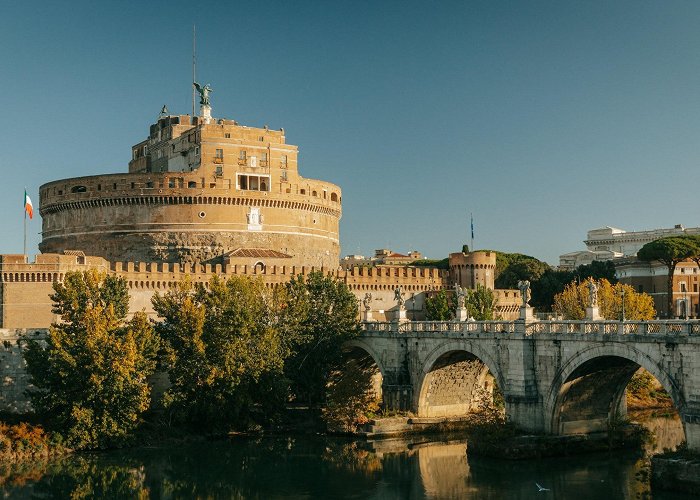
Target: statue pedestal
(527, 313)
(400, 315)
(205, 113)
(593, 314)
(367, 316)
(461, 314)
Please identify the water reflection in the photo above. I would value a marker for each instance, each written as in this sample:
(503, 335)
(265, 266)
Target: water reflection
(319, 467)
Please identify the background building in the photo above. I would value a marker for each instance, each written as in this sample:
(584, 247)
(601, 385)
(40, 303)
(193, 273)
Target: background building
(608, 243)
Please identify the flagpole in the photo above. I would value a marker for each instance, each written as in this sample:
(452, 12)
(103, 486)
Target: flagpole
(471, 216)
(25, 221)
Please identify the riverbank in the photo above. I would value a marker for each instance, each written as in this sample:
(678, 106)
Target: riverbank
(25, 442)
(676, 471)
(501, 440)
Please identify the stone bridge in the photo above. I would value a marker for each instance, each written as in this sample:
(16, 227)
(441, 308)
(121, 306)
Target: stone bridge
(557, 377)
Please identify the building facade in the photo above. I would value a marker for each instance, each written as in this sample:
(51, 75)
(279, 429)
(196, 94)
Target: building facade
(198, 190)
(652, 278)
(608, 243)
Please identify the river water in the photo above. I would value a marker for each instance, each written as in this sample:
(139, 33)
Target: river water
(302, 467)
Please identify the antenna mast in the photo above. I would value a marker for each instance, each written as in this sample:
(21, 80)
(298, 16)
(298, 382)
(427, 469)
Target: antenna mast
(194, 64)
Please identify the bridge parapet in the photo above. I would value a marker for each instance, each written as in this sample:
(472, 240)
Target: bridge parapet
(658, 327)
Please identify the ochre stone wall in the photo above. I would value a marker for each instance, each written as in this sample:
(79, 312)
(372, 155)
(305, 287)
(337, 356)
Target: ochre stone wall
(182, 224)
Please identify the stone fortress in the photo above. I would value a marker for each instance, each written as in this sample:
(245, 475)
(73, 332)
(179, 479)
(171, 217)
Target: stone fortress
(206, 196)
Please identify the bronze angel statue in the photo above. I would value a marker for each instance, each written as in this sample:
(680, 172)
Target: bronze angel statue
(203, 93)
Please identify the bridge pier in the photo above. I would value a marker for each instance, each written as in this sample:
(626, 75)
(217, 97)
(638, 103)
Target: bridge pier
(524, 406)
(397, 397)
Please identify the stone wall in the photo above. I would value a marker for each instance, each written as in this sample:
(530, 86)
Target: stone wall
(125, 220)
(15, 380)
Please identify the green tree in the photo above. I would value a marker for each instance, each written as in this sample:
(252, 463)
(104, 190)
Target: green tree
(90, 372)
(323, 314)
(670, 251)
(224, 351)
(351, 395)
(437, 307)
(550, 283)
(480, 303)
(597, 270)
(514, 267)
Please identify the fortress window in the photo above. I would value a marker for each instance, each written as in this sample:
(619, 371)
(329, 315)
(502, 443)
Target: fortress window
(78, 189)
(133, 185)
(171, 183)
(283, 161)
(313, 193)
(219, 171)
(114, 186)
(253, 182)
(302, 191)
(334, 197)
(227, 136)
(149, 185)
(219, 153)
(192, 184)
(284, 175)
(263, 159)
(99, 187)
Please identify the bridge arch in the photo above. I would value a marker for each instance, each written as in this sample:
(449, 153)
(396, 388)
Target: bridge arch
(452, 376)
(361, 344)
(591, 386)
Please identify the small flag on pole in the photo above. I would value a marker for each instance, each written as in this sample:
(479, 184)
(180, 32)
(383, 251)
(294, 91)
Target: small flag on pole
(472, 217)
(28, 208)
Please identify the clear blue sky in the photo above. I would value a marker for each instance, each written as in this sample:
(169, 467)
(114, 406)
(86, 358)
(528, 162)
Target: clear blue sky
(544, 119)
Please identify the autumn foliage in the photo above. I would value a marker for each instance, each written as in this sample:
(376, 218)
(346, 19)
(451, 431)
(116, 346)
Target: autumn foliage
(89, 374)
(573, 301)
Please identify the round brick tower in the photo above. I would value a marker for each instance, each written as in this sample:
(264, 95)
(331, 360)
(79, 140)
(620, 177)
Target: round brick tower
(198, 190)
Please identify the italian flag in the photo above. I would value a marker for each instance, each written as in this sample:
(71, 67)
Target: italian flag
(28, 208)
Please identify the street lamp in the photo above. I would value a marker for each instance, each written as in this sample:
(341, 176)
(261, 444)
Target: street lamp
(622, 294)
(684, 289)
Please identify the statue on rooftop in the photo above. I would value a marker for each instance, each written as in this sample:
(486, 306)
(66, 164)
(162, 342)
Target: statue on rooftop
(203, 93)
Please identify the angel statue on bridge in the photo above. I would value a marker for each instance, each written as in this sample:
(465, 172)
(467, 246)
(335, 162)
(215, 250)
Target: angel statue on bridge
(398, 296)
(593, 292)
(524, 287)
(367, 301)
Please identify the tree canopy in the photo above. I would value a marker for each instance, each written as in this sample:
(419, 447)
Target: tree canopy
(514, 267)
(225, 354)
(90, 372)
(437, 307)
(573, 301)
(480, 303)
(325, 314)
(670, 251)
